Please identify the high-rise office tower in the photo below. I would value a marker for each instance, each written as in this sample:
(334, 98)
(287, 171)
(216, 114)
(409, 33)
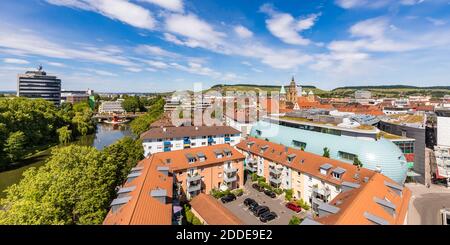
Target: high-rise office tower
(37, 84)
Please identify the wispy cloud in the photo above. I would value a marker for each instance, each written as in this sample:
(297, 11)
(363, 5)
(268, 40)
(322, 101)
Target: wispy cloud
(121, 10)
(286, 27)
(15, 61)
(243, 32)
(172, 5)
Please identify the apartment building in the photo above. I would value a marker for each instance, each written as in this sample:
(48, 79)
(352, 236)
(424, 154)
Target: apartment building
(442, 149)
(111, 107)
(178, 138)
(153, 190)
(315, 179)
(39, 85)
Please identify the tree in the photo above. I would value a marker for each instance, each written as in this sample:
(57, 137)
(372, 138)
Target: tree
(357, 162)
(142, 123)
(75, 186)
(15, 145)
(131, 104)
(64, 134)
(326, 152)
(125, 154)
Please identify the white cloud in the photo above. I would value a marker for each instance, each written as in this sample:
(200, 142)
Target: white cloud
(349, 4)
(15, 61)
(133, 69)
(436, 22)
(102, 72)
(56, 64)
(154, 50)
(286, 27)
(29, 43)
(122, 10)
(157, 64)
(196, 68)
(172, 5)
(246, 63)
(243, 32)
(194, 32)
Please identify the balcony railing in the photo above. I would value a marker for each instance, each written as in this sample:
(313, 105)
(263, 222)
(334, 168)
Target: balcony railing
(196, 187)
(321, 191)
(274, 180)
(230, 170)
(229, 178)
(251, 168)
(193, 178)
(275, 171)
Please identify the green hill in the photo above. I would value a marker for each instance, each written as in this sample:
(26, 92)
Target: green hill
(393, 91)
(223, 88)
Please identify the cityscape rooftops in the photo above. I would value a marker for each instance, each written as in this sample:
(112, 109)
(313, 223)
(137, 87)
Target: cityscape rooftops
(305, 162)
(375, 202)
(188, 131)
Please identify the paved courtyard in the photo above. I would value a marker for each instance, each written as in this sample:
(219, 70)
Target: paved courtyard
(425, 204)
(276, 205)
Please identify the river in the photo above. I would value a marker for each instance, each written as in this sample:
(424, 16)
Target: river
(106, 134)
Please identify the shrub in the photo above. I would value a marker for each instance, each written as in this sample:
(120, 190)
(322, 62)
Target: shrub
(218, 193)
(295, 220)
(254, 177)
(238, 192)
(288, 194)
(303, 204)
(278, 191)
(261, 179)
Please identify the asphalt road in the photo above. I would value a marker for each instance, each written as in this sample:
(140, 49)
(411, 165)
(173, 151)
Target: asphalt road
(428, 206)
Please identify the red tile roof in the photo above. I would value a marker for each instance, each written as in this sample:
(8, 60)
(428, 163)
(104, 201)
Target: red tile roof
(212, 211)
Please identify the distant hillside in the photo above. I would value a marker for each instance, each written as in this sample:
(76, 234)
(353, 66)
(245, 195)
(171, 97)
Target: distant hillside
(393, 91)
(223, 88)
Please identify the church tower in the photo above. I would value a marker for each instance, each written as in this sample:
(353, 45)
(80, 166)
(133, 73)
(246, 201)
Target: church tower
(292, 92)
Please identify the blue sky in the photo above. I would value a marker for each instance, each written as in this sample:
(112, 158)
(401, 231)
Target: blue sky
(164, 45)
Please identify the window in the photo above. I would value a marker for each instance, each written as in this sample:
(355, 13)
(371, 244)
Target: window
(193, 144)
(299, 144)
(347, 156)
(203, 143)
(336, 175)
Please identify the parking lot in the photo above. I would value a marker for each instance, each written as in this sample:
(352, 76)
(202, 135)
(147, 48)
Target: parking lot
(276, 205)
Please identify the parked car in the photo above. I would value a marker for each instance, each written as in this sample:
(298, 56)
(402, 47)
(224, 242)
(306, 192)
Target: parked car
(293, 206)
(260, 210)
(267, 216)
(228, 198)
(248, 201)
(258, 187)
(270, 193)
(252, 206)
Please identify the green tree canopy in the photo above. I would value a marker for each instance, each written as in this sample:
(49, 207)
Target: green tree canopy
(64, 134)
(326, 152)
(15, 145)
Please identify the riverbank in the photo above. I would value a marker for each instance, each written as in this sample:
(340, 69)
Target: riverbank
(105, 135)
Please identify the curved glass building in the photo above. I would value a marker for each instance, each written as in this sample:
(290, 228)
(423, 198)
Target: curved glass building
(375, 154)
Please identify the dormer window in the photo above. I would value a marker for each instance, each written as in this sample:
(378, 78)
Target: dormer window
(201, 156)
(250, 144)
(227, 152)
(190, 157)
(264, 148)
(291, 157)
(324, 168)
(338, 172)
(218, 153)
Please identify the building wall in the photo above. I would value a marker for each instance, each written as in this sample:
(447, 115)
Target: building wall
(419, 145)
(153, 146)
(443, 131)
(212, 176)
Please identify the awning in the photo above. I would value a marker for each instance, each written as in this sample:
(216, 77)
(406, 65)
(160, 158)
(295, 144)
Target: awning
(412, 174)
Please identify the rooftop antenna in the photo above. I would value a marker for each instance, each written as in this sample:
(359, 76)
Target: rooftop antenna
(40, 67)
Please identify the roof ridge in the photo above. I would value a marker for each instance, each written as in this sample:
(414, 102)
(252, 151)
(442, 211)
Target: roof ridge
(142, 187)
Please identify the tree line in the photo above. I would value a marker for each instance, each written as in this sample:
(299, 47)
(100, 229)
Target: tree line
(28, 123)
(154, 112)
(75, 186)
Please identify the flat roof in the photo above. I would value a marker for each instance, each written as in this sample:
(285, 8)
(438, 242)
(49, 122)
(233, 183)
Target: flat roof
(187, 131)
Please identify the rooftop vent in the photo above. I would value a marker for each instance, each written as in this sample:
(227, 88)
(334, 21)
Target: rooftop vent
(387, 205)
(160, 195)
(117, 203)
(163, 170)
(346, 186)
(124, 192)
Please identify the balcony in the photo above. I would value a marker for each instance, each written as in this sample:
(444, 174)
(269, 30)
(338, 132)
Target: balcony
(194, 177)
(274, 180)
(275, 171)
(230, 170)
(229, 178)
(251, 168)
(325, 192)
(251, 160)
(194, 187)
